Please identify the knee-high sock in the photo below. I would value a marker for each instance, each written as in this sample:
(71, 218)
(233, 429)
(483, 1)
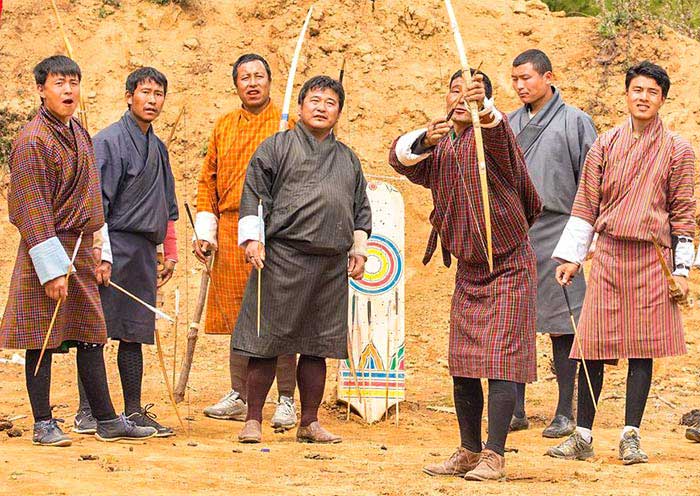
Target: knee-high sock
(519, 410)
(469, 405)
(311, 375)
(91, 368)
(130, 363)
(638, 385)
(84, 403)
(261, 373)
(501, 406)
(586, 411)
(238, 366)
(39, 387)
(565, 368)
(286, 375)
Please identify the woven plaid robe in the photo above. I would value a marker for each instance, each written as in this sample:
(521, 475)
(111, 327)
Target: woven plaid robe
(632, 189)
(492, 321)
(54, 191)
(235, 137)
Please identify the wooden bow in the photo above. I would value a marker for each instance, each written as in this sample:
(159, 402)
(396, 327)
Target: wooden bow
(82, 112)
(481, 157)
(292, 71)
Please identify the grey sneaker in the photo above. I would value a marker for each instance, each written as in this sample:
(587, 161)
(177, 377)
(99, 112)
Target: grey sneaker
(146, 418)
(48, 433)
(285, 416)
(84, 422)
(630, 451)
(574, 448)
(230, 407)
(561, 426)
(122, 428)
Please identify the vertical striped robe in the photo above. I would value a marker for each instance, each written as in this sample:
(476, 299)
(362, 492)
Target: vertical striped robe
(235, 137)
(492, 320)
(54, 193)
(633, 189)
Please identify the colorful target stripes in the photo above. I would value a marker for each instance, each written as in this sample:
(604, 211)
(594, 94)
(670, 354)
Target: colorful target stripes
(383, 269)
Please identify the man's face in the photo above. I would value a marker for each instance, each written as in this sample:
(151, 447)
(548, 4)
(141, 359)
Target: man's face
(61, 95)
(320, 109)
(146, 101)
(253, 84)
(644, 98)
(461, 114)
(529, 84)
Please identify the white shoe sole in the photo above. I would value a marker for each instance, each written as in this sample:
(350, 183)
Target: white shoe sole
(122, 438)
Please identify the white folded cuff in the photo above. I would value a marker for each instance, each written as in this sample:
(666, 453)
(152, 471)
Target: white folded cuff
(251, 228)
(106, 245)
(574, 241)
(683, 256)
(359, 245)
(490, 108)
(404, 146)
(205, 225)
(50, 260)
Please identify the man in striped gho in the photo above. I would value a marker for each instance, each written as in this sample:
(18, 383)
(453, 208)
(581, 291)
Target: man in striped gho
(492, 321)
(235, 137)
(636, 188)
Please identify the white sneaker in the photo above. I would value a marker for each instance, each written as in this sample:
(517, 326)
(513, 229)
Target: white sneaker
(230, 407)
(285, 416)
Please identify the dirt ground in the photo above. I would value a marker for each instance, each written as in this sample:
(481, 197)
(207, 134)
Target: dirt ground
(399, 58)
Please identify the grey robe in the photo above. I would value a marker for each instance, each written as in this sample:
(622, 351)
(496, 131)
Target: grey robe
(314, 197)
(138, 196)
(555, 143)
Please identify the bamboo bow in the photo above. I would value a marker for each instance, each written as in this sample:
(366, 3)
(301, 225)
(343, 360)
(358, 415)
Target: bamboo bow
(481, 157)
(292, 72)
(82, 112)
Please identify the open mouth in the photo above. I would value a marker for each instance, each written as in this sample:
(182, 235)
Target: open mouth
(253, 93)
(68, 101)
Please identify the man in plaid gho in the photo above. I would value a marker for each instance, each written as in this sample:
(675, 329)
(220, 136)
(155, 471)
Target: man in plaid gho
(54, 195)
(492, 321)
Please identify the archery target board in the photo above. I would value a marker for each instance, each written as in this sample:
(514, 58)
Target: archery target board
(376, 313)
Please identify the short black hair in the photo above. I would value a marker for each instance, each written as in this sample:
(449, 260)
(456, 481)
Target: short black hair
(59, 65)
(146, 74)
(250, 57)
(539, 60)
(650, 70)
(322, 83)
(487, 82)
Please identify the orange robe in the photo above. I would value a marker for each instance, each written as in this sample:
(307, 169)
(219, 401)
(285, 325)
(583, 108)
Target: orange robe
(235, 138)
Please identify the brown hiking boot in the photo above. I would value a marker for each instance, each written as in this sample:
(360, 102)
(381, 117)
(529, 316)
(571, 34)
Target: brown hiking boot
(314, 433)
(461, 462)
(491, 466)
(251, 432)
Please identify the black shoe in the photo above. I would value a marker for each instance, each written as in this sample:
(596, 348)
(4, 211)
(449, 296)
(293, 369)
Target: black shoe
(122, 428)
(146, 418)
(519, 423)
(561, 426)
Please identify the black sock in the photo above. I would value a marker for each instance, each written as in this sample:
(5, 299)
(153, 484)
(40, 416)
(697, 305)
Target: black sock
(311, 376)
(261, 374)
(469, 405)
(565, 368)
(638, 385)
(84, 403)
(91, 368)
(501, 405)
(586, 410)
(130, 362)
(39, 387)
(519, 410)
